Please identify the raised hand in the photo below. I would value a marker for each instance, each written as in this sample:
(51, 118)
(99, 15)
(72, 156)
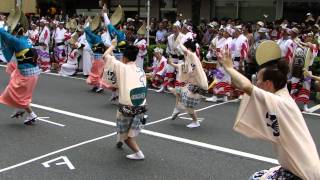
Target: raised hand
(224, 58)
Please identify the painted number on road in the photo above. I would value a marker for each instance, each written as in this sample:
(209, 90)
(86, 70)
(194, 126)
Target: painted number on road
(64, 159)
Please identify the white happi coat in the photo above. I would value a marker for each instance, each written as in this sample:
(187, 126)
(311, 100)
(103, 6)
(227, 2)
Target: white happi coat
(239, 49)
(277, 119)
(43, 51)
(70, 67)
(87, 55)
(159, 67)
(173, 49)
(191, 72)
(287, 47)
(142, 45)
(125, 77)
(33, 36)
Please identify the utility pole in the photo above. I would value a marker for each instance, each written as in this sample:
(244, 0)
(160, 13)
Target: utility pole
(148, 22)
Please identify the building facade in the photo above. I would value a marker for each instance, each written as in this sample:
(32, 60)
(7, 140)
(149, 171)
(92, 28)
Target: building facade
(196, 10)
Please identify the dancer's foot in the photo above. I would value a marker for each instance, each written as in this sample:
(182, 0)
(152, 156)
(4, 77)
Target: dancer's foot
(136, 156)
(17, 114)
(175, 114)
(194, 125)
(99, 90)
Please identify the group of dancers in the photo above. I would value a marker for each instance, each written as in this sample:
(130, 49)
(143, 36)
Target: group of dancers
(267, 110)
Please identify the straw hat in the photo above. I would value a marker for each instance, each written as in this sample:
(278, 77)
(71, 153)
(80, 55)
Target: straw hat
(117, 16)
(14, 18)
(74, 38)
(24, 21)
(72, 24)
(267, 51)
(142, 29)
(95, 23)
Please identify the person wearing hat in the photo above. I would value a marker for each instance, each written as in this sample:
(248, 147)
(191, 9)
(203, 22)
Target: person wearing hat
(43, 46)
(287, 45)
(86, 52)
(24, 73)
(267, 112)
(193, 81)
(33, 34)
(98, 45)
(132, 85)
(158, 68)
(70, 67)
(301, 85)
(239, 51)
(222, 88)
(172, 50)
(59, 36)
(259, 25)
(210, 33)
(141, 43)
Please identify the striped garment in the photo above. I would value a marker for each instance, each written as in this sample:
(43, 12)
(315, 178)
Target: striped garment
(32, 71)
(300, 94)
(97, 56)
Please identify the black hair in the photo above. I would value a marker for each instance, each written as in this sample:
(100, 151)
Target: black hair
(277, 73)
(131, 52)
(190, 44)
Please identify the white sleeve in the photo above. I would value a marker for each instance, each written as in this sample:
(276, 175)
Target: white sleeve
(106, 19)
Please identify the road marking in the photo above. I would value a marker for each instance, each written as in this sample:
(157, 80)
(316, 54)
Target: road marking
(174, 138)
(190, 119)
(56, 152)
(309, 113)
(97, 120)
(314, 108)
(210, 146)
(65, 159)
(198, 110)
(50, 122)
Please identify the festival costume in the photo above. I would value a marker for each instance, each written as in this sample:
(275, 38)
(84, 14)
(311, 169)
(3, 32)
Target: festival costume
(275, 118)
(142, 45)
(70, 67)
(43, 49)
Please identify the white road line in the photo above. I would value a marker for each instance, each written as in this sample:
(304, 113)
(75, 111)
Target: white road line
(213, 147)
(198, 110)
(50, 122)
(309, 113)
(314, 108)
(190, 119)
(165, 136)
(56, 152)
(88, 118)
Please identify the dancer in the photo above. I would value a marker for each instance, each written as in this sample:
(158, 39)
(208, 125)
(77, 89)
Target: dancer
(98, 46)
(23, 80)
(268, 112)
(131, 83)
(193, 80)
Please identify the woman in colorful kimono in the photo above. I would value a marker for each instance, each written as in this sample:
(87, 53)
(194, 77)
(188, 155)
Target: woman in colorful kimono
(23, 79)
